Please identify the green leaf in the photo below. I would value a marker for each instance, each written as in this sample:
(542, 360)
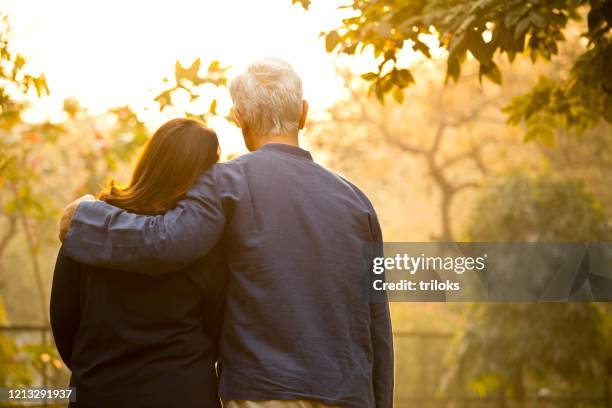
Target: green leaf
(421, 46)
(304, 3)
(405, 77)
(547, 137)
(538, 19)
(398, 94)
(370, 76)
(466, 24)
(165, 98)
(10, 207)
(514, 15)
(453, 69)
(521, 28)
(350, 50)
(40, 84)
(457, 45)
(214, 66)
(379, 92)
(492, 72)
(190, 74)
(213, 107)
(479, 49)
(332, 40)
(595, 17)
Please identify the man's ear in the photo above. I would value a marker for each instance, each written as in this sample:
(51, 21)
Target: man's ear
(304, 114)
(239, 119)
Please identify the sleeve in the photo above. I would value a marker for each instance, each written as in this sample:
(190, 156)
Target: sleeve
(109, 237)
(65, 305)
(381, 334)
(211, 275)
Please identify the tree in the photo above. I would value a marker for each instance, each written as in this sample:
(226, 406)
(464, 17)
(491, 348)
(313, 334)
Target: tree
(15, 86)
(507, 347)
(485, 29)
(520, 208)
(45, 165)
(18, 202)
(588, 158)
(452, 138)
(197, 88)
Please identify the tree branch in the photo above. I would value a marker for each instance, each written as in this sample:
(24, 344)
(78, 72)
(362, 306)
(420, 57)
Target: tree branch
(9, 233)
(465, 185)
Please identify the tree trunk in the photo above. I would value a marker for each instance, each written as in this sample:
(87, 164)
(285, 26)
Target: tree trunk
(33, 252)
(6, 239)
(445, 209)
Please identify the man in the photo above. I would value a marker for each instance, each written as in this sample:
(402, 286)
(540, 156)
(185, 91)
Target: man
(298, 331)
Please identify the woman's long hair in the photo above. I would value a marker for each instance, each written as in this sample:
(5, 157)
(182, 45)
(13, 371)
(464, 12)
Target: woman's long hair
(167, 167)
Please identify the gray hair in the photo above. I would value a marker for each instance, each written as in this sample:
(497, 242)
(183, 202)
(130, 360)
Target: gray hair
(268, 95)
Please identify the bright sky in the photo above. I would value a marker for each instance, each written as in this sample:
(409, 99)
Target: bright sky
(110, 53)
(114, 52)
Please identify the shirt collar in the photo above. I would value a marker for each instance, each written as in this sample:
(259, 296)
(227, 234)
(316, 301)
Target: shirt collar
(288, 149)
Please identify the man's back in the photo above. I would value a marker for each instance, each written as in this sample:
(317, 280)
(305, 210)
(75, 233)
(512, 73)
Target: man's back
(296, 318)
(297, 326)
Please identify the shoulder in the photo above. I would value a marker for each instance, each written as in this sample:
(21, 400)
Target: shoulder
(222, 176)
(348, 186)
(237, 169)
(236, 164)
(361, 196)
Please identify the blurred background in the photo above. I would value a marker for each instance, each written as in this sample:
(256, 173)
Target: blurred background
(467, 120)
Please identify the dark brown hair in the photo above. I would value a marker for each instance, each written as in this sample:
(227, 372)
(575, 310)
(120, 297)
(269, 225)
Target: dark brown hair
(169, 164)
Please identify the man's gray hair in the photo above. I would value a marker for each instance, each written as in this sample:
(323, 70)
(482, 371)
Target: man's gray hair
(268, 95)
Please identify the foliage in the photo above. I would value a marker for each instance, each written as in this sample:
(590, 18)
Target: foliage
(20, 363)
(103, 145)
(304, 3)
(16, 170)
(577, 103)
(588, 158)
(24, 205)
(13, 371)
(46, 164)
(506, 348)
(486, 29)
(15, 85)
(521, 208)
(450, 150)
(14, 79)
(196, 87)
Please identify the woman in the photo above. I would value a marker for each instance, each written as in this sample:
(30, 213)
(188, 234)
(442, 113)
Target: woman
(132, 340)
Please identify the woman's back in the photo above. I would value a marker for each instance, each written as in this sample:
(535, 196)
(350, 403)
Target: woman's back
(148, 341)
(138, 341)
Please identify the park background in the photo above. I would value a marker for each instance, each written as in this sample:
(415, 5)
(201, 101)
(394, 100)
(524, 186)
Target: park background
(471, 120)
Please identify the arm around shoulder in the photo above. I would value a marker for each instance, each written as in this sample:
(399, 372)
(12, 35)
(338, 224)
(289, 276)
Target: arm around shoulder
(107, 236)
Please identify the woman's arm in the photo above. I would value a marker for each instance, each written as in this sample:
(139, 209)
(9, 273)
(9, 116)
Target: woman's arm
(65, 305)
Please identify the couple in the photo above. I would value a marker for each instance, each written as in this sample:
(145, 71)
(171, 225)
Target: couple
(240, 281)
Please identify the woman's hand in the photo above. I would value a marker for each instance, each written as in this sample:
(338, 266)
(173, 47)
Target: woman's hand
(69, 213)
